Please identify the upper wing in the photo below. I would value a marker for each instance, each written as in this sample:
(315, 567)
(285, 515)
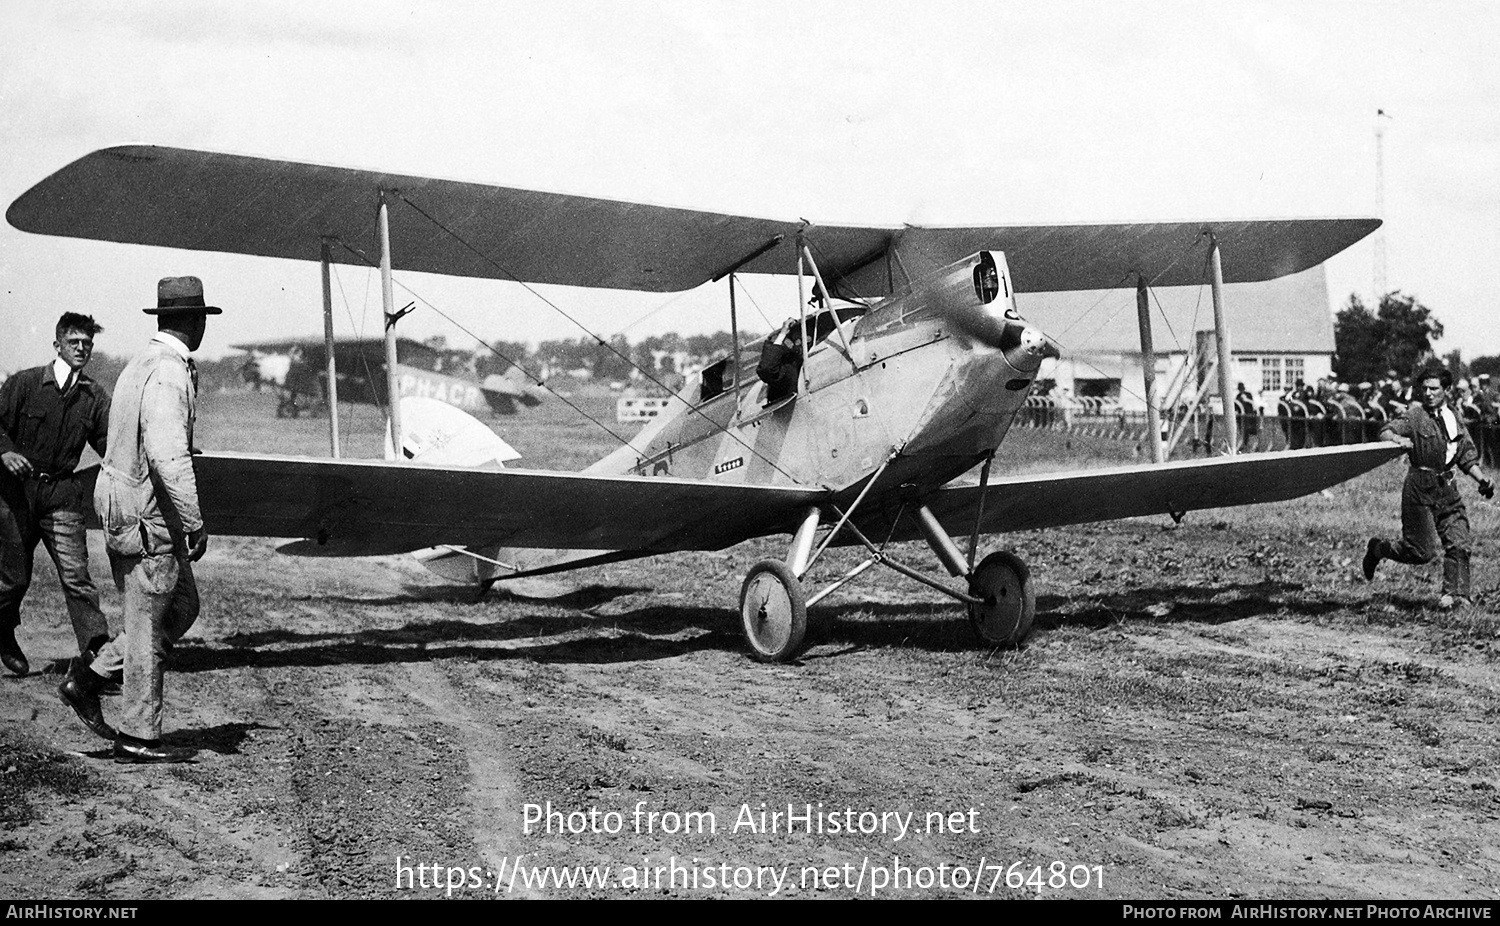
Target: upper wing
(207, 201)
(365, 507)
(281, 345)
(1026, 502)
(1057, 258)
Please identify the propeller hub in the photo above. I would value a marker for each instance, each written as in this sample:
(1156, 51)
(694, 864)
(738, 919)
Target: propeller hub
(1025, 346)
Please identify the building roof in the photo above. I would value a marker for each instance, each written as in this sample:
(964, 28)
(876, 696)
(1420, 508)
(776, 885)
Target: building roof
(1286, 315)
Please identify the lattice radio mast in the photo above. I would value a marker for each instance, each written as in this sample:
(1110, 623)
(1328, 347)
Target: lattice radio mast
(1380, 118)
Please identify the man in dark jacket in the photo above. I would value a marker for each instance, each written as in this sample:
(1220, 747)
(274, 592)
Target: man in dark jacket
(781, 361)
(1437, 445)
(47, 415)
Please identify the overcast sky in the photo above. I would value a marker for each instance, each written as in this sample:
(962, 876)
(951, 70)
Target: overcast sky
(841, 113)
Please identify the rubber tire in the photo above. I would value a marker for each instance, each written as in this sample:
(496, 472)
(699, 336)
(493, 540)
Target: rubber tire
(777, 633)
(1004, 581)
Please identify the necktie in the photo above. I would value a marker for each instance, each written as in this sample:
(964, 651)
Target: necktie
(193, 374)
(72, 381)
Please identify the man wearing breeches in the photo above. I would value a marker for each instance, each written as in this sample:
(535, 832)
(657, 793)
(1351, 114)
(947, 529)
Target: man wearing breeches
(1438, 446)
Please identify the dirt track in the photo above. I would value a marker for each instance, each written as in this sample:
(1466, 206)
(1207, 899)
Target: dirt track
(1217, 710)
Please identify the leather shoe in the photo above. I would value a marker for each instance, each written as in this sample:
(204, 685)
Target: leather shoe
(80, 691)
(10, 652)
(1372, 558)
(131, 751)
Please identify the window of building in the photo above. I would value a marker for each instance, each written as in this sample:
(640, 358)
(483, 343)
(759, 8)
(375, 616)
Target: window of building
(1295, 371)
(1270, 374)
(1097, 388)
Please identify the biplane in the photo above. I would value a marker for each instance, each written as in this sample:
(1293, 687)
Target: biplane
(911, 363)
(298, 369)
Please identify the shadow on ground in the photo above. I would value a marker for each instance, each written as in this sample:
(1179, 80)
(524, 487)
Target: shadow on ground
(666, 631)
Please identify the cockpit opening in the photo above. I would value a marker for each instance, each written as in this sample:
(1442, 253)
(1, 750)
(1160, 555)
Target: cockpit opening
(715, 379)
(987, 279)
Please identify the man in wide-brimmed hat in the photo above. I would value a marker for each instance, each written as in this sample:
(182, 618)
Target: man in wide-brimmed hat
(147, 499)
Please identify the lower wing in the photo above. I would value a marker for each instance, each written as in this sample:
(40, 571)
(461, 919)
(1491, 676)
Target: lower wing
(371, 507)
(1055, 500)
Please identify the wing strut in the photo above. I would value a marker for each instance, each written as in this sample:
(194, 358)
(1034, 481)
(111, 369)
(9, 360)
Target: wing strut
(727, 271)
(332, 392)
(388, 302)
(734, 337)
(1221, 334)
(1227, 392)
(806, 254)
(1148, 369)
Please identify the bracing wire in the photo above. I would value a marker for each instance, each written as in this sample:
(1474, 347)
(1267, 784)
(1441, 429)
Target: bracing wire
(1152, 289)
(1161, 310)
(363, 359)
(754, 304)
(602, 342)
(539, 382)
(1107, 294)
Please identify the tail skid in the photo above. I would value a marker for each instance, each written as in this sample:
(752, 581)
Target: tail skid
(484, 566)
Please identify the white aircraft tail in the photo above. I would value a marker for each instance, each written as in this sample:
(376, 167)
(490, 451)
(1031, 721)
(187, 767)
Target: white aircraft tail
(436, 432)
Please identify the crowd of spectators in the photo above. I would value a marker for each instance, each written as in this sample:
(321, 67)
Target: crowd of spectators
(1326, 413)
(1332, 412)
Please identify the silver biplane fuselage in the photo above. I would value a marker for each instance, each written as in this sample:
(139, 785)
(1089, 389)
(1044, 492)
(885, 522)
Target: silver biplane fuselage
(936, 372)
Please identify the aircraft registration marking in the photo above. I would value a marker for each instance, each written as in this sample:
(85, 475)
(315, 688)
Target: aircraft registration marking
(442, 388)
(728, 465)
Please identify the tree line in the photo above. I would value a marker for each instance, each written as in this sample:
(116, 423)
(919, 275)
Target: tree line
(1396, 338)
(660, 355)
(612, 359)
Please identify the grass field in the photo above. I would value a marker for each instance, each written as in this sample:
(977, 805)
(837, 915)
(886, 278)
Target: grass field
(550, 436)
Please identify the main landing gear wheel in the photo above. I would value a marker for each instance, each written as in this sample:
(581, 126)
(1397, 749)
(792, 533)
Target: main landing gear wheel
(773, 612)
(1004, 582)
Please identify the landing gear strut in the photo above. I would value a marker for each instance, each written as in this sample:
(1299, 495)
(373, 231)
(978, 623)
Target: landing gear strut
(773, 606)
